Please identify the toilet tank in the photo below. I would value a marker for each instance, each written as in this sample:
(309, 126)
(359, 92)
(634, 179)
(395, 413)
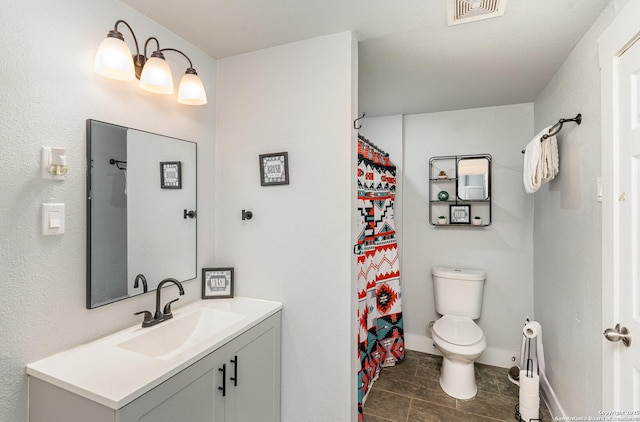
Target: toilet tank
(458, 291)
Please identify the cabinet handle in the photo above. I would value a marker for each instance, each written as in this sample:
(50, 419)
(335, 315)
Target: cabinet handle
(224, 379)
(234, 378)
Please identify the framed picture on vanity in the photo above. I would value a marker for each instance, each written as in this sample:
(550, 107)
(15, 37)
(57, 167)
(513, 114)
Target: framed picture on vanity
(459, 214)
(274, 169)
(170, 175)
(217, 283)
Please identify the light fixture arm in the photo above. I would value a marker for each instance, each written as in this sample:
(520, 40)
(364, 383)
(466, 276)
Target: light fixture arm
(138, 59)
(190, 70)
(146, 43)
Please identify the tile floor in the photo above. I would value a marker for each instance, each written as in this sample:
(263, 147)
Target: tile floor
(410, 392)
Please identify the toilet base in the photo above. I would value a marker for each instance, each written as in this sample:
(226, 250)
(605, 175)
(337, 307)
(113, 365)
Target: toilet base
(457, 378)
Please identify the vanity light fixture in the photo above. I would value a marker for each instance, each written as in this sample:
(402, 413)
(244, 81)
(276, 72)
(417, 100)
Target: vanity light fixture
(114, 60)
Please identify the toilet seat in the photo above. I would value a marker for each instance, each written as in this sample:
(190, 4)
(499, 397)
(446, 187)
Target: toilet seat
(460, 331)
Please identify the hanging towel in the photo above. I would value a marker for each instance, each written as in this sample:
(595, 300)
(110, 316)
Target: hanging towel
(549, 158)
(532, 170)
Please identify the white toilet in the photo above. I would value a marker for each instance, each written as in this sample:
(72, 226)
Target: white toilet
(458, 298)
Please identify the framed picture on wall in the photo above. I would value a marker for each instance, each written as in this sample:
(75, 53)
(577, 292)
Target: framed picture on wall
(459, 214)
(217, 283)
(170, 175)
(274, 169)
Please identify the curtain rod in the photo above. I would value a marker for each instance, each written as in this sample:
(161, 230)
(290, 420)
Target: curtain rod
(372, 145)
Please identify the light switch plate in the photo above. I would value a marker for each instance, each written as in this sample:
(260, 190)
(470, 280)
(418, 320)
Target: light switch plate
(52, 219)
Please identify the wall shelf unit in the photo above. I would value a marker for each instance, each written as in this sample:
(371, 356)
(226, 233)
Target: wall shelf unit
(460, 190)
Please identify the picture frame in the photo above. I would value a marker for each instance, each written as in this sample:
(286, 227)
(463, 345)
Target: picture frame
(217, 283)
(459, 214)
(274, 169)
(171, 175)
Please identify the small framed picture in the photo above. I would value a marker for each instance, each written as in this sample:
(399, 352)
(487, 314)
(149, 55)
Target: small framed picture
(170, 175)
(274, 169)
(459, 214)
(217, 283)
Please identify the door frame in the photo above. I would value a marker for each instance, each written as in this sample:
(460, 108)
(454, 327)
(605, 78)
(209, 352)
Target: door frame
(621, 33)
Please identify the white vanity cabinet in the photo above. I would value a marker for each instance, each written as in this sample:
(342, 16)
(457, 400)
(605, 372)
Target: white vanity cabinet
(237, 382)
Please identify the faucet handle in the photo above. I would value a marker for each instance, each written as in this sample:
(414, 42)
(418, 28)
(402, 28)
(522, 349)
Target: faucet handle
(167, 307)
(147, 316)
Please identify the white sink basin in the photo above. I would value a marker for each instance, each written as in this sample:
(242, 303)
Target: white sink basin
(171, 337)
(116, 369)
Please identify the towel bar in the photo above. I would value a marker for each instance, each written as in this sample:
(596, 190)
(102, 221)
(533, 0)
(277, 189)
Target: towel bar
(558, 127)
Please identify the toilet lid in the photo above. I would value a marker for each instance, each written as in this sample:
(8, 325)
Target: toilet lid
(461, 331)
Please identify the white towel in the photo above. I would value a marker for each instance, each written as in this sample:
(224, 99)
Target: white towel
(532, 170)
(549, 158)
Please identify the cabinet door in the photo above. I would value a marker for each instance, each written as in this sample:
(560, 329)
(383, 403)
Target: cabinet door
(191, 395)
(253, 362)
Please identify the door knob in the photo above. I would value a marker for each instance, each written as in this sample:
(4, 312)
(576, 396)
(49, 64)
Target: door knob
(617, 334)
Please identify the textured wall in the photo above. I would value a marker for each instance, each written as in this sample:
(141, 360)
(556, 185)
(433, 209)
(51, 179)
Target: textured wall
(503, 250)
(296, 249)
(567, 233)
(47, 91)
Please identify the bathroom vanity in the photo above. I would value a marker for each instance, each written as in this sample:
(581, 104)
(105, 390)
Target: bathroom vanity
(214, 361)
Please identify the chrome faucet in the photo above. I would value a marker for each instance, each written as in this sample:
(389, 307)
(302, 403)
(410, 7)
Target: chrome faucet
(141, 277)
(165, 314)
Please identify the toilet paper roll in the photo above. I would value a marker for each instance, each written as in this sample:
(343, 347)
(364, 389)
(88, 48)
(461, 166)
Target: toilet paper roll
(532, 329)
(527, 414)
(529, 385)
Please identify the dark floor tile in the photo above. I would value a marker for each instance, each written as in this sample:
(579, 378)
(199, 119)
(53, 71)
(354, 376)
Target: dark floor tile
(421, 411)
(490, 404)
(374, 418)
(389, 406)
(406, 366)
(416, 388)
(506, 387)
(430, 381)
(412, 389)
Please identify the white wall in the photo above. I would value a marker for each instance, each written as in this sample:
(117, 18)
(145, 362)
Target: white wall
(567, 234)
(504, 249)
(297, 98)
(47, 91)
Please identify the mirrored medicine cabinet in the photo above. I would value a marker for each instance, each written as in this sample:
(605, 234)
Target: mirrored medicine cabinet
(460, 190)
(141, 211)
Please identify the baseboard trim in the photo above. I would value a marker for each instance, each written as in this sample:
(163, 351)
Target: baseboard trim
(550, 399)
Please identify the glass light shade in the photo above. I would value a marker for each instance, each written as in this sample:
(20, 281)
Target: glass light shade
(114, 60)
(191, 90)
(156, 76)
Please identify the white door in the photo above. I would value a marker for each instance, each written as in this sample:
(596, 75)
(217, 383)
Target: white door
(626, 357)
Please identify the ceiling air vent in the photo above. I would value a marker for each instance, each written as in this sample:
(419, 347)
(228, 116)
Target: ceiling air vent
(464, 11)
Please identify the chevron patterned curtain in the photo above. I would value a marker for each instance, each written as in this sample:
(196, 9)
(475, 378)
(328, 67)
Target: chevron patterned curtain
(380, 334)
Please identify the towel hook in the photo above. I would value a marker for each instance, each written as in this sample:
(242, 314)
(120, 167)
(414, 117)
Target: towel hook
(354, 122)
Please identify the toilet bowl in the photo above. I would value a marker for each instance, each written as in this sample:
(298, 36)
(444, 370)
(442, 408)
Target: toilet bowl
(461, 342)
(458, 298)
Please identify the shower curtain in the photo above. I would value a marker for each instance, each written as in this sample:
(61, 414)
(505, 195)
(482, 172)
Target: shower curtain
(380, 333)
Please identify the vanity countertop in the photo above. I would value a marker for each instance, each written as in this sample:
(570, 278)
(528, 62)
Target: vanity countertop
(117, 369)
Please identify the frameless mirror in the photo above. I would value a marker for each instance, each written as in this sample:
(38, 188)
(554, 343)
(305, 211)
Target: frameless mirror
(141, 211)
(474, 178)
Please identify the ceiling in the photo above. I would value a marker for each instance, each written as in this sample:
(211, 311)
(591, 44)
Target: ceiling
(410, 61)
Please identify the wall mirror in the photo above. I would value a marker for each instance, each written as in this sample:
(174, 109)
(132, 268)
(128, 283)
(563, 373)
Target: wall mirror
(474, 175)
(141, 211)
